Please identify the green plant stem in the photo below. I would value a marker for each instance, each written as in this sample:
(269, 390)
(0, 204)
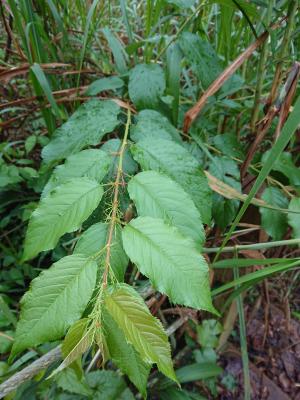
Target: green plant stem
(115, 203)
(292, 11)
(243, 341)
(261, 71)
(256, 246)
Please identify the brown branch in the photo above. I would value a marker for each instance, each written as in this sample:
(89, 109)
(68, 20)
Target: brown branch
(192, 114)
(30, 371)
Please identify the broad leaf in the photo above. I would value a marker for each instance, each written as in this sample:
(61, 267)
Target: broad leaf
(108, 385)
(146, 85)
(171, 261)
(229, 145)
(226, 170)
(70, 382)
(294, 219)
(286, 166)
(175, 161)
(9, 174)
(124, 355)
(62, 211)
(274, 222)
(104, 84)
(156, 195)
(152, 124)
(87, 126)
(56, 299)
(94, 239)
(140, 328)
(202, 57)
(90, 163)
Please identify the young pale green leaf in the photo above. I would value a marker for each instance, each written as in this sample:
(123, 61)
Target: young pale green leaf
(77, 341)
(294, 219)
(94, 239)
(171, 261)
(62, 211)
(141, 329)
(272, 221)
(175, 161)
(56, 299)
(87, 126)
(146, 85)
(91, 163)
(124, 355)
(156, 195)
(152, 124)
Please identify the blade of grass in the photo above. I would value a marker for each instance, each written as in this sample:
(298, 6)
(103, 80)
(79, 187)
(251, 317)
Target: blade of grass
(117, 50)
(288, 130)
(243, 340)
(255, 246)
(261, 274)
(86, 36)
(43, 81)
(248, 262)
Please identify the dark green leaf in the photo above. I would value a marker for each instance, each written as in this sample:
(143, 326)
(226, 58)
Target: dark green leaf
(87, 126)
(146, 85)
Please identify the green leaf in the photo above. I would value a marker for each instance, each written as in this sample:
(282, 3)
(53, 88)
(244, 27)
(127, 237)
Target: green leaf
(153, 125)
(30, 142)
(202, 57)
(272, 221)
(173, 71)
(77, 341)
(140, 328)
(198, 372)
(286, 166)
(87, 126)
(104, 84)
(124, 355)
(92, 163)
(70, 382)
(171, 261)
(208, 333)
(182, 3)
(62, 211)
(120, 56)
(226, 170)
(294, 219)
(56, 299)
(173, 393)
(146, 85)
(9, 174)
(229, 145)
(108, 385)
(156, 195)
(112, 148)
(175, 161)
(94, 240)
